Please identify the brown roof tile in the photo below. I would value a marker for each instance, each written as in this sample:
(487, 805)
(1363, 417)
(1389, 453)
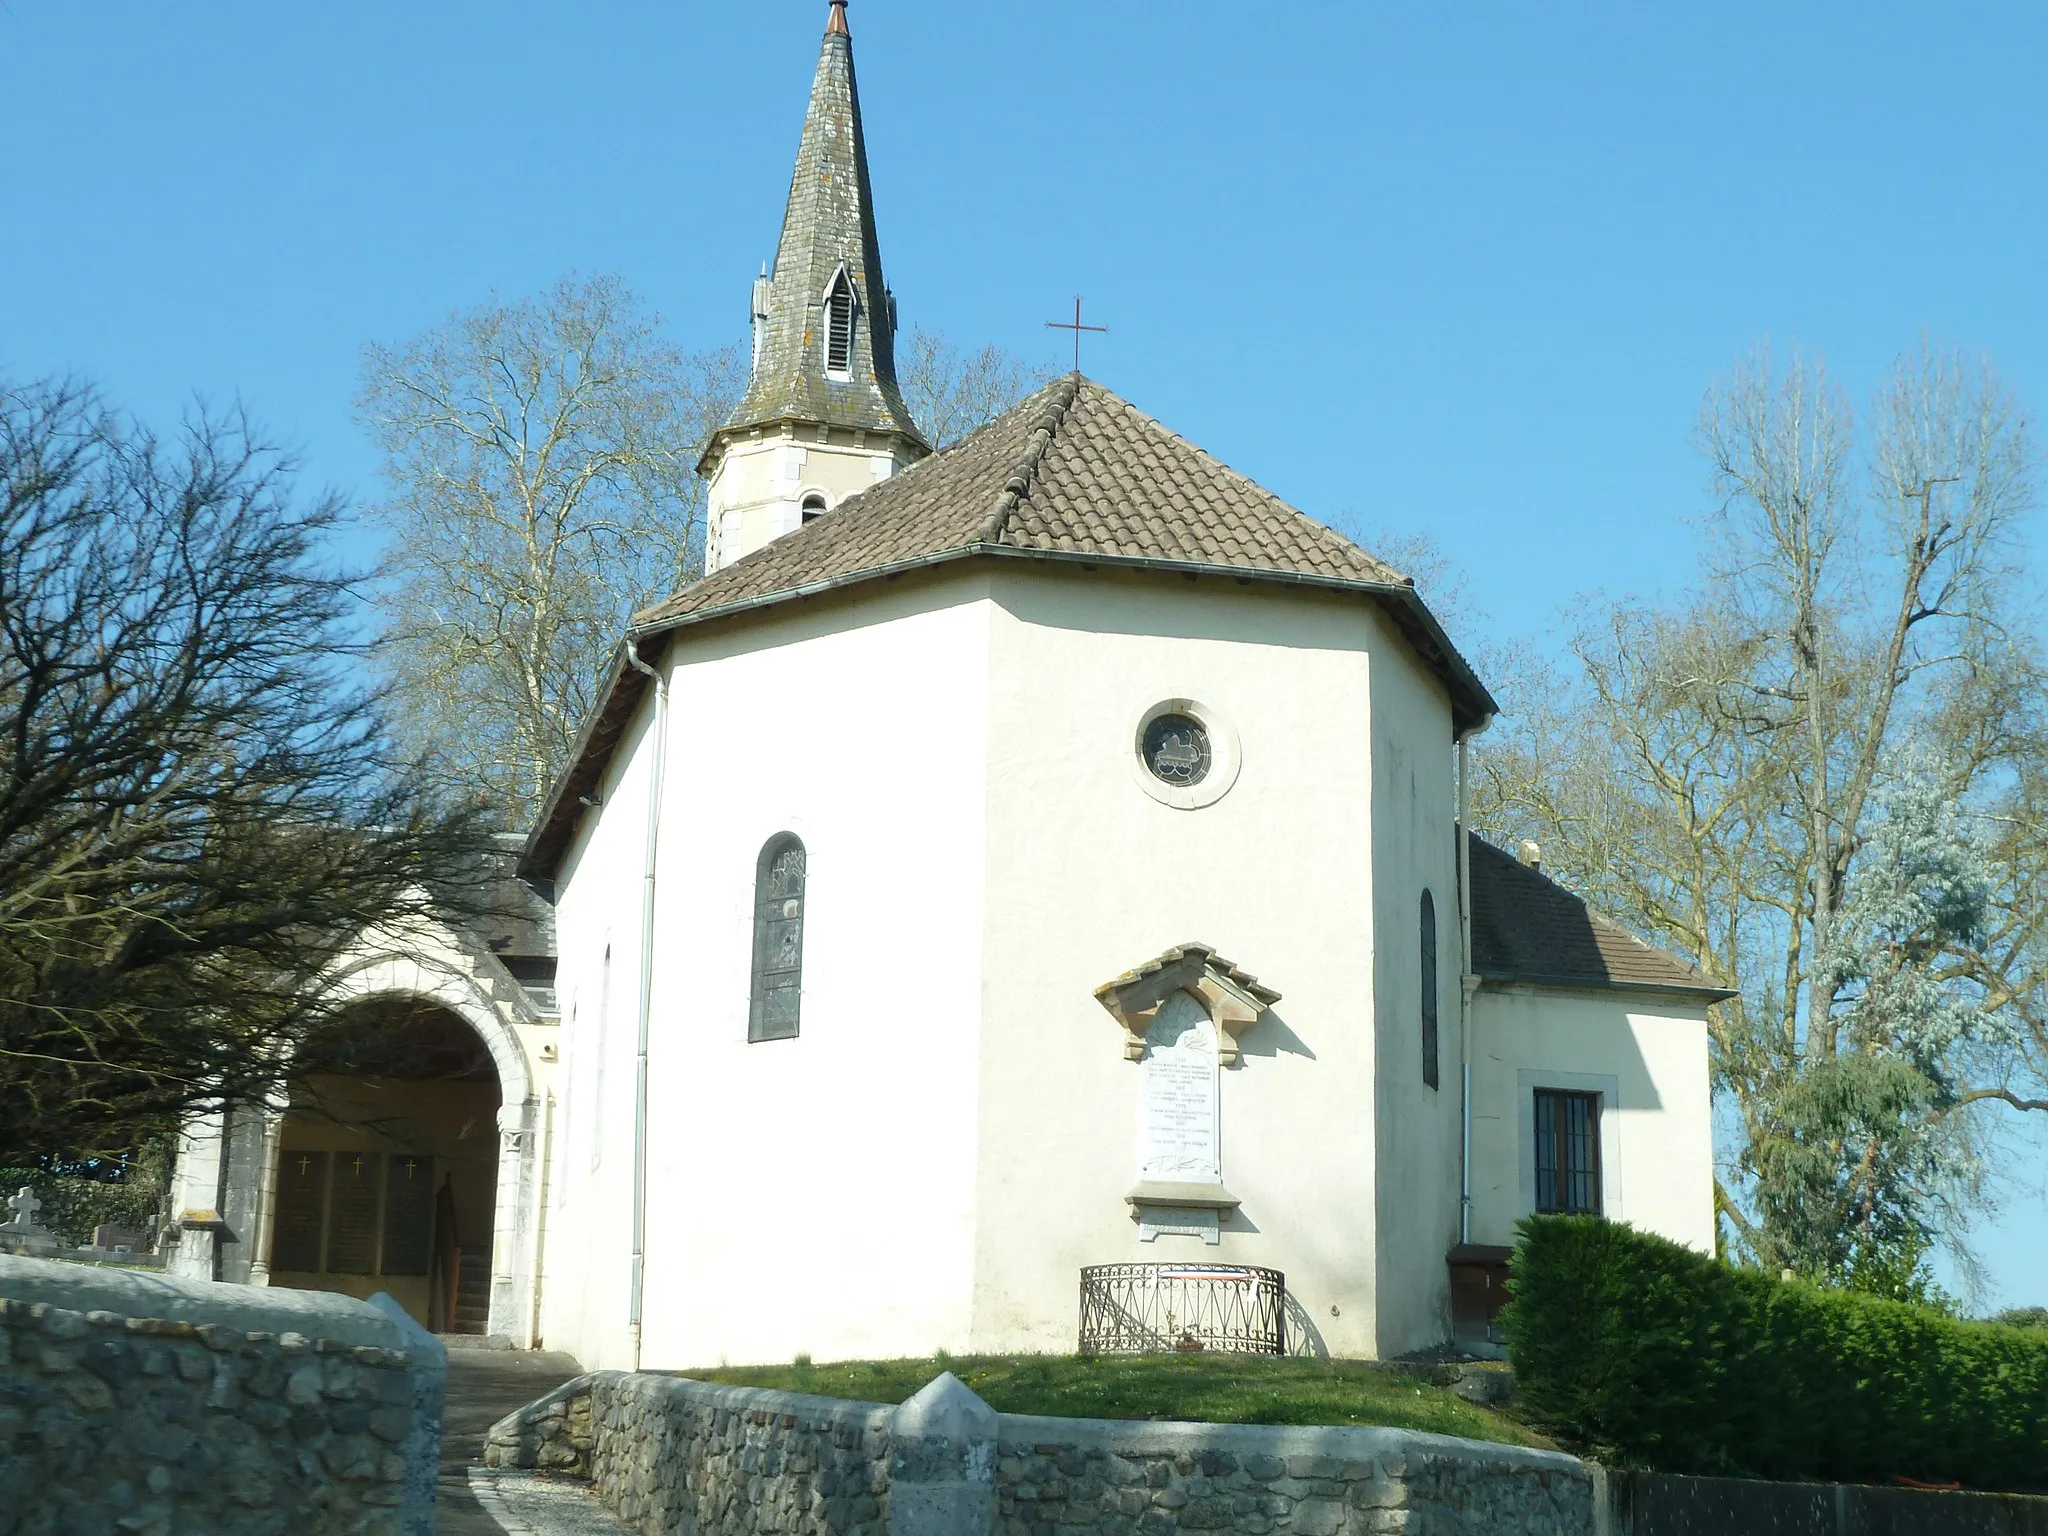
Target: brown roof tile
(1528, 928)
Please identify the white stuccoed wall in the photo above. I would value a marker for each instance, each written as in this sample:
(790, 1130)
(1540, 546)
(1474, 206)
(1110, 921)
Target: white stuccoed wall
(1417, 1142)
(1646, 1053)
(952, 1137)
(812, 1195)
(1090, 876)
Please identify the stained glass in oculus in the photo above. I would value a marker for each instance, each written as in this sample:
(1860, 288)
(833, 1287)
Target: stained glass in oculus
(778, 941)
(1176, 750)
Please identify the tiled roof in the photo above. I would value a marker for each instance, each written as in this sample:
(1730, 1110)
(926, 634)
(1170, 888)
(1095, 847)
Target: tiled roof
(1074, 470)
(1528, 928)
(1074, 474)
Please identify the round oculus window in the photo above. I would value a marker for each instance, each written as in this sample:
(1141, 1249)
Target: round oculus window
(1176, 750)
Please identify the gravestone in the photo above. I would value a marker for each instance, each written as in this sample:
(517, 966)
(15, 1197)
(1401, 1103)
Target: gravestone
(19, 1233)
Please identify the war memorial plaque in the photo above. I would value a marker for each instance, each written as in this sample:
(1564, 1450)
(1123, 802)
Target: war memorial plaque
(352, 1214)
(408, 1215)
(301, 1196)
(1181, 1140)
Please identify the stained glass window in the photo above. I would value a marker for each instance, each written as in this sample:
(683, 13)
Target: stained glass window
(1176, 750)
(778, 940)
(1429, 1030)
(1567, 1152)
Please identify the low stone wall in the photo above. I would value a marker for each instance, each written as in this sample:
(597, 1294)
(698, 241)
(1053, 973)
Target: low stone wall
(145, 1405)
(669, 1454)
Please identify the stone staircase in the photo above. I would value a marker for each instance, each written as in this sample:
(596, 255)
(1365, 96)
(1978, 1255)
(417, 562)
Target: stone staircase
(473, 1296)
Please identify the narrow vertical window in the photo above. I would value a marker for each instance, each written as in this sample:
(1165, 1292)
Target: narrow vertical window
(604, 1022)
(778, 940)
(1567, 1153)
(1430, 1073)
(839, 325)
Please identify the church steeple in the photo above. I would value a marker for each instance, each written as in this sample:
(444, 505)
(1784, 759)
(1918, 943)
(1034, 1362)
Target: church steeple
(824, 374)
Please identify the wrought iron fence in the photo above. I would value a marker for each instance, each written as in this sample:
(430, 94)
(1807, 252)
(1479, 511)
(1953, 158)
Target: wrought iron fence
(1143, 1309)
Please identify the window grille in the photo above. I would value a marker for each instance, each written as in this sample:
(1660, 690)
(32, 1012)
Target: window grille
(778, 940)
(839, 326)
(1567, 1153)
(1430, 1072)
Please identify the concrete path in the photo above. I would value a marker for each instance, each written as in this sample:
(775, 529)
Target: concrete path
(526, 1504)
(483, 1386)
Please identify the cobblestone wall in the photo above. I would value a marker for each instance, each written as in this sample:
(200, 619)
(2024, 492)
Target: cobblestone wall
(691, 1456)
(150, 1426)
(725, 1461)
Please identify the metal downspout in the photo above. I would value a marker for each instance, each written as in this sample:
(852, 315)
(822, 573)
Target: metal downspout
(658, 773)
(1467, 982)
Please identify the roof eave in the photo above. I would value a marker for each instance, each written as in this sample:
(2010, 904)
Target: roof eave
(1702, 991)
(1470, 702)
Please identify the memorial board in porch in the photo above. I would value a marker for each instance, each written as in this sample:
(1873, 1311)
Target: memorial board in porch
(301, 1204)
(352, 1213)
(408, 1215)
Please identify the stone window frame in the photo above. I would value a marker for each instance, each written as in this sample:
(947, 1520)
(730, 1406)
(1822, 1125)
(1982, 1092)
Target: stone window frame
(1226, 757)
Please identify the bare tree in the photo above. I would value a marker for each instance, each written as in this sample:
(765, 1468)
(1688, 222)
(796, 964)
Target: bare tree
(1725, 767)
(951, 391)
(199, 804)
(540, 456)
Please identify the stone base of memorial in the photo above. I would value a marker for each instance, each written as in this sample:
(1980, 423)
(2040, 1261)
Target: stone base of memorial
(138, 1403)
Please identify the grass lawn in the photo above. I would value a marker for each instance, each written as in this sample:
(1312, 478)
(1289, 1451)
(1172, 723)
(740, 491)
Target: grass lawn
(1222, 1389)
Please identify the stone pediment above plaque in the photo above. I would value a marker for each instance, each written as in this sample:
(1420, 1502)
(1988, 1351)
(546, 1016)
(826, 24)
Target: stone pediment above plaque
(1235, 999)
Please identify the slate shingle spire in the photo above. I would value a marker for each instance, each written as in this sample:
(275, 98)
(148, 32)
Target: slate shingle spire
(822, 418)
(803, 372)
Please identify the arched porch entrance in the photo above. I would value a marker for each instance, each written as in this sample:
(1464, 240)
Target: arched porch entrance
(387, 1168)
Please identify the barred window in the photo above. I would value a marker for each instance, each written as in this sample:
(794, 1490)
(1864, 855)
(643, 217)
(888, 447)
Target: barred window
(778, 940)
(1430, 1073)
(839, 325)
(1567, 1152)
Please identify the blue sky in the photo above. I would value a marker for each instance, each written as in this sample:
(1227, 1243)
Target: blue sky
(1459, 269)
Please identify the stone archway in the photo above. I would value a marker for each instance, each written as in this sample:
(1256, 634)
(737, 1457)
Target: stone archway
(441, 1006)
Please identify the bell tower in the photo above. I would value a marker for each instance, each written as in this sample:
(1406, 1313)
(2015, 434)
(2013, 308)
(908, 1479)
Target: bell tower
(822, 417)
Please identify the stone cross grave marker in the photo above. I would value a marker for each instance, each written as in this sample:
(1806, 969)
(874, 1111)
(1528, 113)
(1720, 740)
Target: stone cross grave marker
(24, 1206)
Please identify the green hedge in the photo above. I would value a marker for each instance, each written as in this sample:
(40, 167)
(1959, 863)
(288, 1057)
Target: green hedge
(1666, 1359)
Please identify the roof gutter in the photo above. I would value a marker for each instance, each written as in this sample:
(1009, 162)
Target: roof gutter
(1704, 992)
(1468, 982)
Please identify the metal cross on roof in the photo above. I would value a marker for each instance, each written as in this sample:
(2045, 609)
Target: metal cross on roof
(1077, 328)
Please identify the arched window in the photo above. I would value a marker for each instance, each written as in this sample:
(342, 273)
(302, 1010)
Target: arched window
(1429, 1033)
(814, 506)
(778, 940)
(839, 324)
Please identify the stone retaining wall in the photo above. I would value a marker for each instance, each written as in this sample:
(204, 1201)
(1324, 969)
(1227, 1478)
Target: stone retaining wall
(166, 1425)
(673, 1454)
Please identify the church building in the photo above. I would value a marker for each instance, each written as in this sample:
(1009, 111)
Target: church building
(1020, 898)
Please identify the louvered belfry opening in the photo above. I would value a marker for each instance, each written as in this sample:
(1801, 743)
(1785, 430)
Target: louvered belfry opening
(839, 326)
